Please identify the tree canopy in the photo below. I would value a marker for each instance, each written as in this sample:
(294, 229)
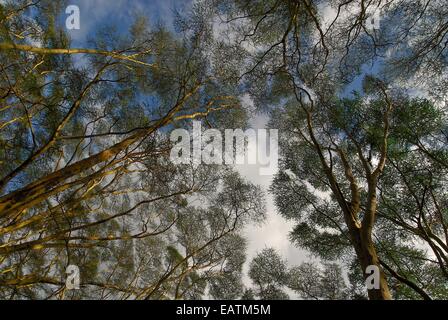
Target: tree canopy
(86, 177)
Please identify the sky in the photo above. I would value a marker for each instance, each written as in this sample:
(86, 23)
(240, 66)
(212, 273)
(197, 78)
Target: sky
(95, 14)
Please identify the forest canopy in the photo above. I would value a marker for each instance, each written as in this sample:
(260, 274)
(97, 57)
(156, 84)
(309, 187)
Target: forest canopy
(86, 177)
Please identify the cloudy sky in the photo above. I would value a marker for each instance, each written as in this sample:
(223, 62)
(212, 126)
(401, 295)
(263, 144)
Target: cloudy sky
(95, 14)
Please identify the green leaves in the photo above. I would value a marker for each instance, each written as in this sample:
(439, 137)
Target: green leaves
(272, 277)
(268, 272)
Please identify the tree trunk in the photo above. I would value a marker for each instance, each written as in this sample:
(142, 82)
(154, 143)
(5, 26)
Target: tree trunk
(367, 256)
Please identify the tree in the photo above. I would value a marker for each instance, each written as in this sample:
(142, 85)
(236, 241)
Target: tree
(269, 274)
(86, 177)
(339, 147)
(320, 227)
(294, 68)
(272, 277)
(312, 282)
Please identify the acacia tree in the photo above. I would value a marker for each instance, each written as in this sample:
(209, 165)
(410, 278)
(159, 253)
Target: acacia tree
(399, 222)
(269, 273)
(294, 65)
(271, 277)
(300, 62)
(86, 177)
